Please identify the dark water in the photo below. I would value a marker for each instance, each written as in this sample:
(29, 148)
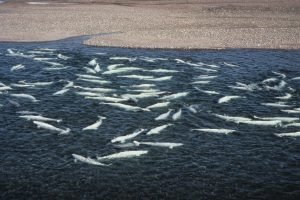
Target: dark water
(251, 163)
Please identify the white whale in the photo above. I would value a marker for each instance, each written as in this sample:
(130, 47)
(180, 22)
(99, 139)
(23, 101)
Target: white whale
(122, 139)
(43, 59)
(95, 89)
(164, 78)
(232, 119)
(164, 116)
(87, 76)
(114, 66)
(212, 65)
(25, 112)
(228, 98)
(123, 58)
(126, 107)
(87, 160)
(174, 96)
(4, 88)
(209, 92)
(89, 70)
(285, 97)
(230, 65)
(163, 71)
(263, 123)
(18, 54)
(282, 119)
(124, 154)
(89, 94)
(17, 67)
(296, 78)
(51, 128)
(97, 68)
(291, 111)
(37, 83)
(124, 145)
(122, 70)
(107, 99)
(204, 77)
(268, 80)
(159, 105)
(206, 70)
(63, 57)
(39, 118)
(141, 95)
(94, 81)
(143, 86)
(156, 91)
(279, 87)
(93, 62)
(214, 130)
(200, 82)
(279, 74)
(55, 68)
(25, 96)
(277, 104)
(69, 84)
(15, 103)
(294, 134)
(159, 144)
(176, 116)
(139, 77)
(96, 125)
(293, 125)
(61, 92)
(21, 85)
(250, 87)
(192, 108)
(158, 129)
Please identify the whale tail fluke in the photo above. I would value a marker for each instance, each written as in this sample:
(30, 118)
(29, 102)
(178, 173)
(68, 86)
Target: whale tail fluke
(65, 131)
(136, 143)
(101, 117)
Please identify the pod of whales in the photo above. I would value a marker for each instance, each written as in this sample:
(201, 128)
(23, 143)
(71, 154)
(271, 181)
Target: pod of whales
(126, 84)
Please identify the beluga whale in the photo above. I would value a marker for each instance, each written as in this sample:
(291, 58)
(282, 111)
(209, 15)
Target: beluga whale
(169, 145)
(122, 139)
(50, 127)
(87, 160)
(123, 154)
(96, 125)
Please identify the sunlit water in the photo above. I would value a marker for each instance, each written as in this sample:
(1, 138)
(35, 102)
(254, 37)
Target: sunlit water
(250, 163)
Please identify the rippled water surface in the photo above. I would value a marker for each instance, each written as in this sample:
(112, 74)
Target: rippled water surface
(250, 163)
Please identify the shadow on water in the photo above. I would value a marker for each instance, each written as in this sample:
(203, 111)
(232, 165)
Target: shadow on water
(251, 163)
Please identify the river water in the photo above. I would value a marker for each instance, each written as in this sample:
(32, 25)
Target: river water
(252, 162)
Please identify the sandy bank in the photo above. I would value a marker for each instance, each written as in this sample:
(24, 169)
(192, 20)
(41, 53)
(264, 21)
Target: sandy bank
(157, 24)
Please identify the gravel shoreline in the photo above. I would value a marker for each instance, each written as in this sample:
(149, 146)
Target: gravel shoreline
(177, 24)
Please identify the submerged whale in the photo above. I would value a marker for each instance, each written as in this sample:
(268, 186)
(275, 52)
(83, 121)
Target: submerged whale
(39, 118)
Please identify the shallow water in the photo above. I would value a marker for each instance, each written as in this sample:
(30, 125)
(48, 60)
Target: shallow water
(251, 163)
